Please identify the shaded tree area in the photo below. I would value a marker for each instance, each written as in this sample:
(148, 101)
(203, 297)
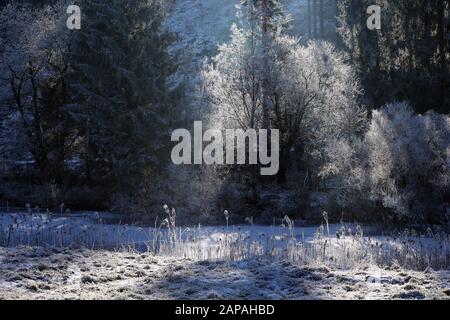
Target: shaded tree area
(93, 107)
(408, 59)
(126, 106)
(320, 19)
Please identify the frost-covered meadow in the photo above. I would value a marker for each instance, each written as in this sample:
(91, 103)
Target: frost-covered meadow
(93, 256)
(38, 273)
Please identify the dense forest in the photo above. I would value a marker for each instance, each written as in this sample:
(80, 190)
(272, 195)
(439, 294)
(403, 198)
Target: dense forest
(86, 115)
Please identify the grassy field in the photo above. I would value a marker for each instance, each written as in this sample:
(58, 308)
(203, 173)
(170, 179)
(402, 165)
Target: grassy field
(74, 256)
(37, 273)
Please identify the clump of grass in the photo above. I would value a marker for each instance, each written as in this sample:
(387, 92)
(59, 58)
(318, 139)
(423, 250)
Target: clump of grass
(227, 216)
(170, 222)
(325, 217)
(290, 226)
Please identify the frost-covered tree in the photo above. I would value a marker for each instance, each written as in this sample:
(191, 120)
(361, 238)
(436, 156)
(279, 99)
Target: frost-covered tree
(401, 166)
(313, 93)
(315, 97)
(35, 67)
(233, 82)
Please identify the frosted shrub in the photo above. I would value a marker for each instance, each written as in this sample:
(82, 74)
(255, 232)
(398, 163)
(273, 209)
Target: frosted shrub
(402, 164)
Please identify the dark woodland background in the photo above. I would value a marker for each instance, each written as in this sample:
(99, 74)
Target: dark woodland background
(86, 117)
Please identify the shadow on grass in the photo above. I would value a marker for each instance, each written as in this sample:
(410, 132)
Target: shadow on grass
(255, 280)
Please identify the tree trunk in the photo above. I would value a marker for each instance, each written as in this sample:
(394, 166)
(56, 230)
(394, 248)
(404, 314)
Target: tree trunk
(442, 43)
(285, 149)
(315, 18)
(283, 170)
(88, 152)
(336, 24)
(441, 34)
(265, 61)
(322, 20)
(408, 32)
(426, 18)
(309, 20)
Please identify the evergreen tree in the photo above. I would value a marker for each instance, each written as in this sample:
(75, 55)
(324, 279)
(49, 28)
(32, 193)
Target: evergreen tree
(126, 103)
(408, 57)
(322, 19)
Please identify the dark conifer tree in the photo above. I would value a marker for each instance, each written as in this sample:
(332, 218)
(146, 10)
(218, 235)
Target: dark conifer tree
(121, 70)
